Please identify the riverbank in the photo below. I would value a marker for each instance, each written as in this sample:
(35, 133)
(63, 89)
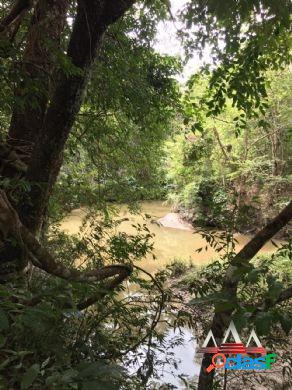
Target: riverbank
(176, 240)
(173, 237)
(190, 218)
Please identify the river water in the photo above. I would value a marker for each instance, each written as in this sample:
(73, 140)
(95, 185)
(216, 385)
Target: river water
(173, 239)
(178, 241)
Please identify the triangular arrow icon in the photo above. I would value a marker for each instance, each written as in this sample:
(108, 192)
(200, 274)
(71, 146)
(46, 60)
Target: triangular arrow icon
(207, 339)
(231, 329)
(255, 338)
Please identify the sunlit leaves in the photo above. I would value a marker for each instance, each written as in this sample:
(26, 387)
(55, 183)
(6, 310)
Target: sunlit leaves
(247, 38)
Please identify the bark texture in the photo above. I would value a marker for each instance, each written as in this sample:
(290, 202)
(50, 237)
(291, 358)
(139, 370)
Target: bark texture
(92, 20)
(37, 72)
(44, 129)
(10, 225)
(18, 8)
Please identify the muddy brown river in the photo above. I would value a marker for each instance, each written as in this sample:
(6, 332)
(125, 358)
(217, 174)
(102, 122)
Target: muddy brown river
(173, 237)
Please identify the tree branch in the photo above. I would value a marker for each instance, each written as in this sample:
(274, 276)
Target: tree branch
(10, 225)
(285, 295)
(222, 319)
(268, 303)
(222, 147)
(17, 9)
(263, 236)
(91, 22)
(38, 67)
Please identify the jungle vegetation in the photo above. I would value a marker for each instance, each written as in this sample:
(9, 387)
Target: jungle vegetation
(93, 116)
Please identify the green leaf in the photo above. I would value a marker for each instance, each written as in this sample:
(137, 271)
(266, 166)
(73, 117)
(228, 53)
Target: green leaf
(240, 319)
(167, 3)
(2, 340)
(197, 127)
(224, 306)
(69, 375)
(4, 323)
(286, 322)
(3, 383)
(253, 276)
(30, 376)
(93, 385)
(275, 287)
(263, 323)
(263, 123)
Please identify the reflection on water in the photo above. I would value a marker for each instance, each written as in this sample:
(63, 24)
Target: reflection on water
(169, 243)
(173, 363)
(184, 355)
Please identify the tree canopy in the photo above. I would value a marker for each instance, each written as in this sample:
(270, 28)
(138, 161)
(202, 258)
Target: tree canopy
(93, 116)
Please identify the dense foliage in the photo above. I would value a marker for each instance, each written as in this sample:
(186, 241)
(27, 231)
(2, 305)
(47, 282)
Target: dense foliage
(215, 172)
(92, 116)
(114, 150)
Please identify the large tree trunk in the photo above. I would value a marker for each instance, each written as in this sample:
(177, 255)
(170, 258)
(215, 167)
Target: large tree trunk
(47, 127)
(221, 320)
(92, 20)
(10, 225)
(36, 72)
(18, 8)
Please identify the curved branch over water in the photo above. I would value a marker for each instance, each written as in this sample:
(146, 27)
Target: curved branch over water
(11, 226)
